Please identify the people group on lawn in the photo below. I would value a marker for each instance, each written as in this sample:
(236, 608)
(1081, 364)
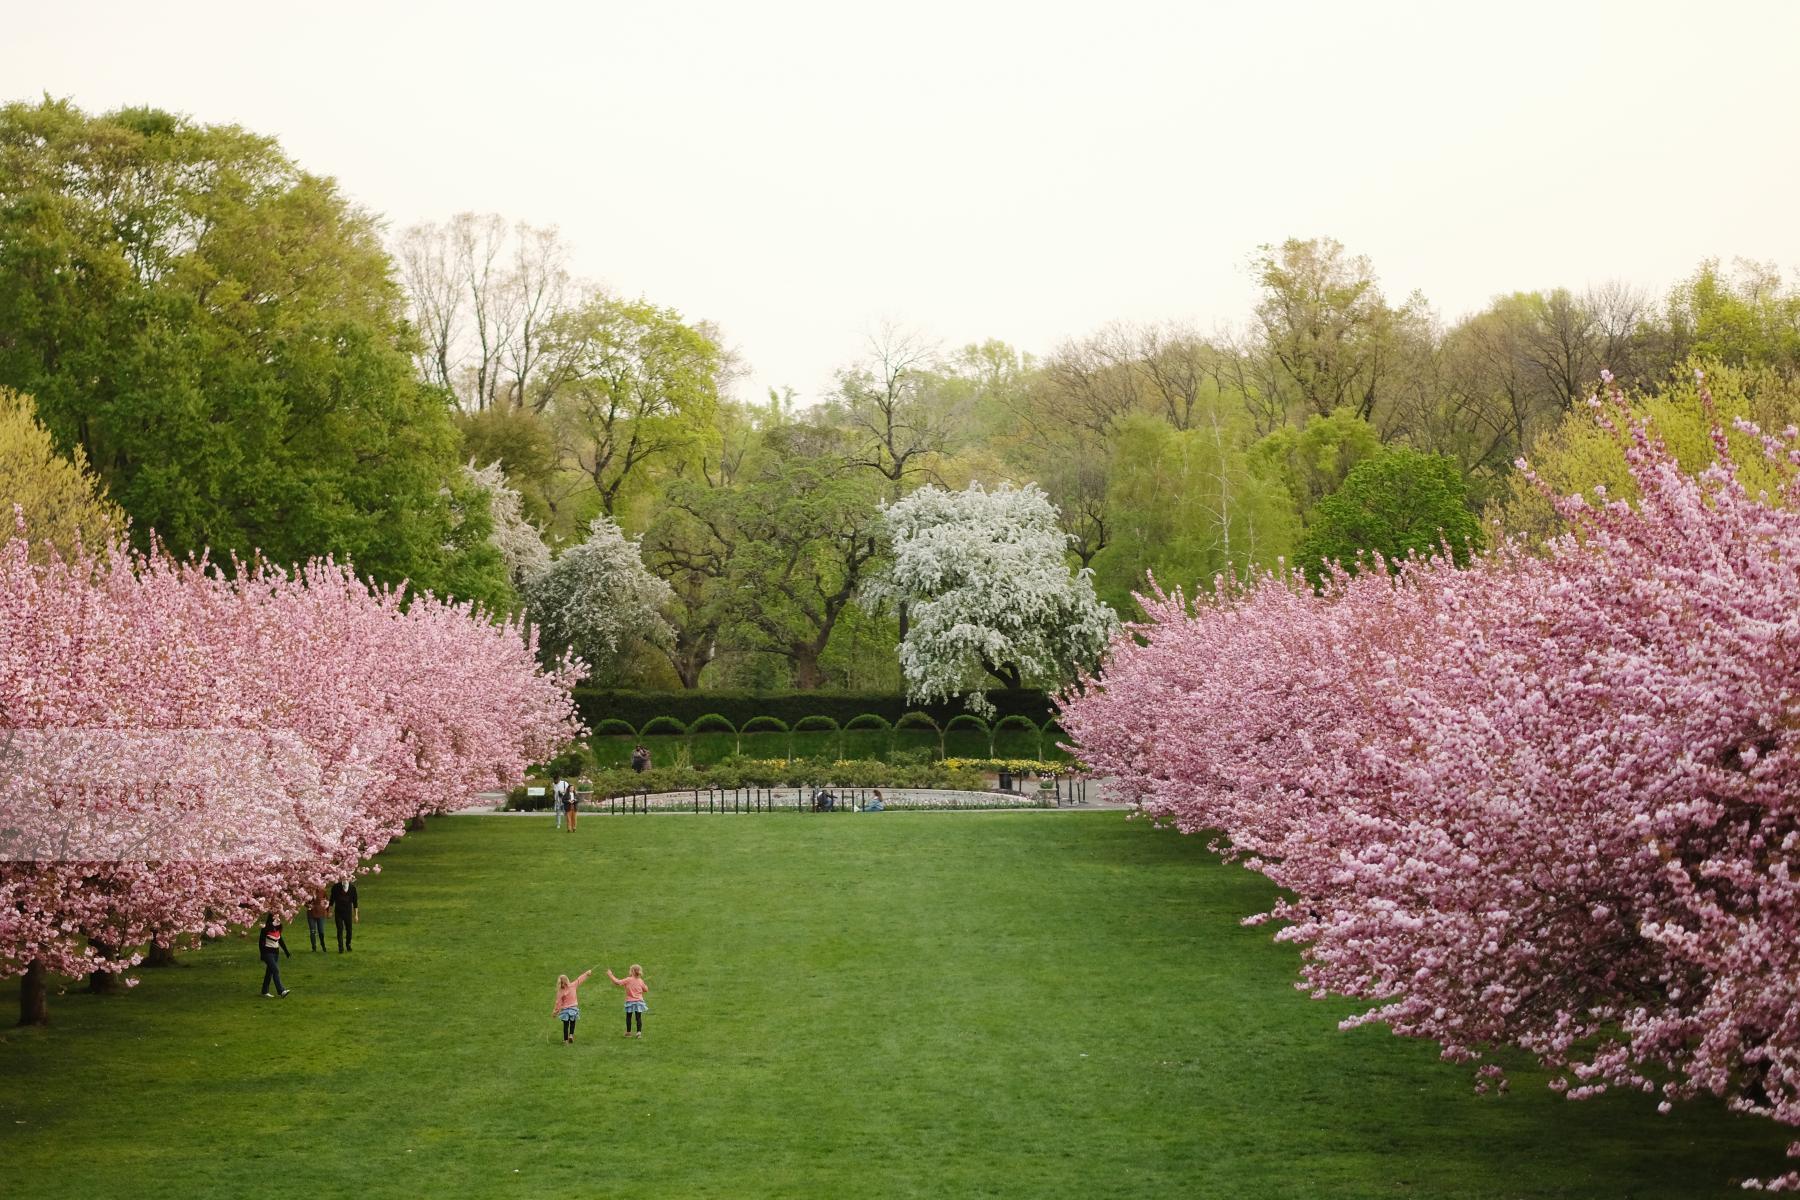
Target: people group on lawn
(340, 901)
(568, 1000)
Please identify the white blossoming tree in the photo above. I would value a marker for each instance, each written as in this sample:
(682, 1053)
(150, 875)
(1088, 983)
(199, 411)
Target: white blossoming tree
(990, 594)
(598, 600)
(517, 539)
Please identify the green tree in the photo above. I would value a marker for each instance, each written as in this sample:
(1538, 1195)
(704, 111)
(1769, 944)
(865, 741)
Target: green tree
(1579, 456)
(639, 388)
(1395, 504)
(524, 446)
(1311, 460)
(806, 528)
(1187, 505)
(59, 500)
(1745, 316)
(220, 335)
(1323, 320)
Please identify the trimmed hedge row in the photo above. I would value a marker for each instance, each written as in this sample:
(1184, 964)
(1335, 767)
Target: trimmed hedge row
(638, 708)
(715, 723)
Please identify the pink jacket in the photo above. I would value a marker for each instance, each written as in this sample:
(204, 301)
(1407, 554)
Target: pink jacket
(565, 996)
(634, 986)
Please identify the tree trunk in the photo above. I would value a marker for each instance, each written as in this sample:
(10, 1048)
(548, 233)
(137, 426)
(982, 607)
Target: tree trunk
(160, 955)
(808, 676)
(33, 996)
(102, 983)
(415, 824)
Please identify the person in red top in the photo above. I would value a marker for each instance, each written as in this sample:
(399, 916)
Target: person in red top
(271, 947)
(568, 1002)
(635, 987)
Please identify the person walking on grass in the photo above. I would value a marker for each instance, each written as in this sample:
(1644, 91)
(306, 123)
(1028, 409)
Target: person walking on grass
(574, 801)
(635, 987)
(343, 908)
(568, 1002)
(270, 946)
(316, 910)
(559, 800)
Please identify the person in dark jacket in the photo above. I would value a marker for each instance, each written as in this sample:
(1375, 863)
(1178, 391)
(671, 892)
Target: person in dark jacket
(270, 946)
(343, 909)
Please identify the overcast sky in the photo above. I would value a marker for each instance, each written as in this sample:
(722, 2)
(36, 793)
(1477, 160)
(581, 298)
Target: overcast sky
(798, 173)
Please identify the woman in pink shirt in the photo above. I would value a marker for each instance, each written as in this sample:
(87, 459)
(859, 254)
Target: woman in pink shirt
(635, 987)
(568, 1005)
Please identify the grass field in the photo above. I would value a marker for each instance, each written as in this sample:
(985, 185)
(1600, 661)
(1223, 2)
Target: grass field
(933, 1005)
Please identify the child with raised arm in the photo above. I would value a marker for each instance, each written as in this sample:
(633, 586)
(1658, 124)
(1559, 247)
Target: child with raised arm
(568, 1003)
(635, 987)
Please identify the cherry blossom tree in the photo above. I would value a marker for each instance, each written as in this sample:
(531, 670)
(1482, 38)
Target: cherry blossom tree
(188, 748)
(1551, 801)
(985, 576)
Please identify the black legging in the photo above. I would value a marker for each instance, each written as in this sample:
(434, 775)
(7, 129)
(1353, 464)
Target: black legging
(568, 1028)
(272, 971)
(640, 1020)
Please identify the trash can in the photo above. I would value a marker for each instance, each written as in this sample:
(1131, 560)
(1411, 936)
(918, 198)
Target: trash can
(1005, 780)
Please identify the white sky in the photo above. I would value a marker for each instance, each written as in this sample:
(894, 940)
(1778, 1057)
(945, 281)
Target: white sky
(800, 172)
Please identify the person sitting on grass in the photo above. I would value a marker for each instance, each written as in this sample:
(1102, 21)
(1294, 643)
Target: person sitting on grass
(271, 947)
(568, 1002)
(635, 987)
(874, 804)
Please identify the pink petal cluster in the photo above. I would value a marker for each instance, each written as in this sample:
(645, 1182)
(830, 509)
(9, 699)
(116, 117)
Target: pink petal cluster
(1550, 802)
(187, 750)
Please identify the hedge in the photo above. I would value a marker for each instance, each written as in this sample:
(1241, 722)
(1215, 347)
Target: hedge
(637, 707)
(966, 720)
(869, 721)
(657, 725)
(918, 720)
(764, 725)
(612, 725)
(816, 721)
(711, 723)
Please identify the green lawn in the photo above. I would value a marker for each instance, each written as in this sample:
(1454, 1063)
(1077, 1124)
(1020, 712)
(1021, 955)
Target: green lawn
(934, 1005)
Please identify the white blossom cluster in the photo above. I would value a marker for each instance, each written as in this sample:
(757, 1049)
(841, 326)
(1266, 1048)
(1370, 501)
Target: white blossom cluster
(517, 539)
(989, 593)
(598, 598)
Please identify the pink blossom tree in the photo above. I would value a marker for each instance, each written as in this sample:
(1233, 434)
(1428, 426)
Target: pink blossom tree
(1549, 801)
(188, 749)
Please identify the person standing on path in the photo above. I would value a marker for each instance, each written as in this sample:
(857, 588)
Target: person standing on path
(343, 908)
(568, 1002)
(270, 946)
(635, 987)
(316, 908)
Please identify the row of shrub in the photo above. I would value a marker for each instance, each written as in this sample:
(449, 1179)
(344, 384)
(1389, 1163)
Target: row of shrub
(893, 745)
(637, 709)
(739, 772)
(712, 722)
